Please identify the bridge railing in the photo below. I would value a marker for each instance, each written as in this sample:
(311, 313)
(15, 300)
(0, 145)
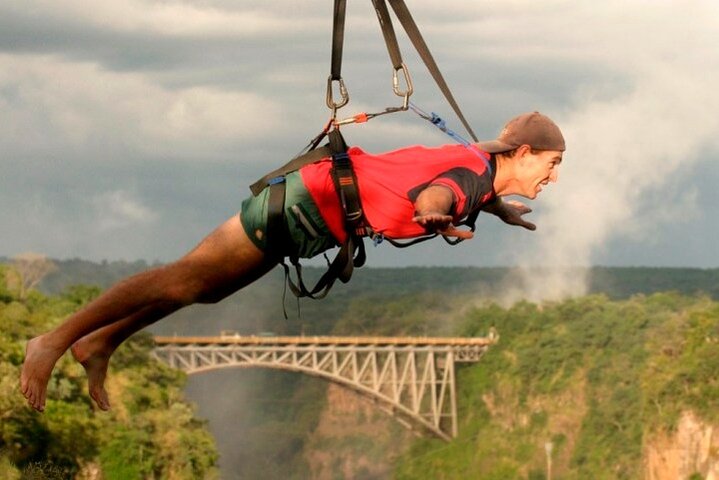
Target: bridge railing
(327, 340)
(411, 377)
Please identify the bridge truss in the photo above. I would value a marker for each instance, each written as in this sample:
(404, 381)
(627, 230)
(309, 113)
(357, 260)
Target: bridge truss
(413, 378)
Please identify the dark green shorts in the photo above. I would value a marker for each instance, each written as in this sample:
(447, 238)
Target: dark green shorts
(308, 231)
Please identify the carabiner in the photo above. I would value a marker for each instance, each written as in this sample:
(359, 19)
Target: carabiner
(408, 82)
(330, 97)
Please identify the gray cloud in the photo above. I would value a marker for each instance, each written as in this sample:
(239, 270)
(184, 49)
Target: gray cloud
(172, 108)
(634, 147)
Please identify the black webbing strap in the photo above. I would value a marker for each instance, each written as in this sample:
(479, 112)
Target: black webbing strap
(336, 142)
(346, 187)
(341, 268)
(470, 221)
(309, 154)
(291, 166)
(276, 231)
(409, 243)
(338, 35)
(405, 18)
(385, 22)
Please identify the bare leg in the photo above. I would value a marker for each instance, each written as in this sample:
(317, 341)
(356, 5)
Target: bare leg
(222, 263)
(93, 351)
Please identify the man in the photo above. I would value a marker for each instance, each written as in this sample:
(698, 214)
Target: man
(404, 194)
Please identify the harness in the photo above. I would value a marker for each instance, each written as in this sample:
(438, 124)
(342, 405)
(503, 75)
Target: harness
(352, 251)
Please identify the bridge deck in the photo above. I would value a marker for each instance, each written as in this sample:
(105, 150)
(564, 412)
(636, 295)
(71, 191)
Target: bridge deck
(323, 340)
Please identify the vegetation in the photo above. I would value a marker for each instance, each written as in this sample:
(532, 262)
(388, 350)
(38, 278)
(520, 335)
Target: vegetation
(151, 431)
(595, 378)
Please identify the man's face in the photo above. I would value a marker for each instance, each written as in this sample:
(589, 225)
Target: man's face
(536, 170)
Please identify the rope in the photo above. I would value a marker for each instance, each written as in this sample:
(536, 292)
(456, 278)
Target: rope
(438, 122)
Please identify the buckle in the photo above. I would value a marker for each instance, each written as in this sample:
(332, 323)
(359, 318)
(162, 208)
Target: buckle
(276, 180)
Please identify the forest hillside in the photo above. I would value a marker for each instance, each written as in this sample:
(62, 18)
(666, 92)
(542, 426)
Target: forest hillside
(622, 383)
(607, 389)
(151, 431)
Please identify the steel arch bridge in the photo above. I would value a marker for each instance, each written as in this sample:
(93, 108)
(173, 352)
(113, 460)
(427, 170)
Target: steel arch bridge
(413, 378)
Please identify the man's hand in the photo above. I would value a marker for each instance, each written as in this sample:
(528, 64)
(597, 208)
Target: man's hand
(511, 212)
(442, 224)
(433, 206)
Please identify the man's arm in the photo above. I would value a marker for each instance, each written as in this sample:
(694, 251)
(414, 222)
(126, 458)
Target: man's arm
(433, 207)
(510, 212)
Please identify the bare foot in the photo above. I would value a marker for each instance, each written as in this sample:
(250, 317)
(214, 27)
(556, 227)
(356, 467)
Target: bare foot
(94, 361)
(40, 358)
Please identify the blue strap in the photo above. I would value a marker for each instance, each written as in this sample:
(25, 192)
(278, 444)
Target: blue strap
(377, 239)
(438, 122)
(276, 180)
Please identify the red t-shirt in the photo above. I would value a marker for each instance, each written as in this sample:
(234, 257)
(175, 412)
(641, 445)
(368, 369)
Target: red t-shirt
(389, 183)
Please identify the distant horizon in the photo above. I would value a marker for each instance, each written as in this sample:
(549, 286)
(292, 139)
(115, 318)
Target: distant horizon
(5, 258)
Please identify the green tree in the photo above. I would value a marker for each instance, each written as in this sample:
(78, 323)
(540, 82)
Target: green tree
(152, 432)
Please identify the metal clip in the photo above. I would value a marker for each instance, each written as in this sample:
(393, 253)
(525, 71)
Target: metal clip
(330, 97)
(408, 82)
(359, 118)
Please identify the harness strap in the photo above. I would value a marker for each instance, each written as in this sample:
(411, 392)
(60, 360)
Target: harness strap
(405, 18)
(385, 22)
(276, 231)
(409, 243)
(470, 221)
(351, 254)
(346, 187)
(291, 166)
(338, 35)
(337, 142)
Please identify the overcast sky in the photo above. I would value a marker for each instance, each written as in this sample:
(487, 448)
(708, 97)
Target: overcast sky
(130, 128)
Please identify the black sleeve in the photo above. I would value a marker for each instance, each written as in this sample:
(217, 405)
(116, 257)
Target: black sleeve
(474, 186)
